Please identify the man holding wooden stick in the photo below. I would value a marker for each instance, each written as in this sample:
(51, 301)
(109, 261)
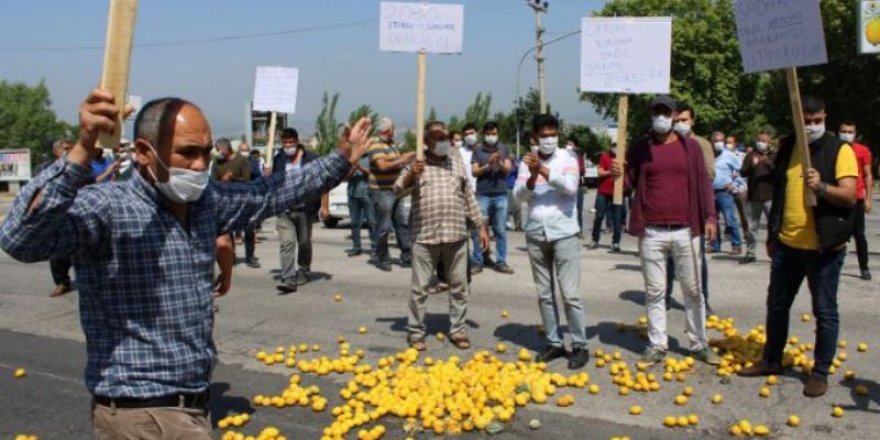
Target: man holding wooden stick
(672, 207)
(144, 255)
(808, 242)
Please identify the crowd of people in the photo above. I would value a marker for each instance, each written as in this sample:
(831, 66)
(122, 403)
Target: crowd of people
(145, 245)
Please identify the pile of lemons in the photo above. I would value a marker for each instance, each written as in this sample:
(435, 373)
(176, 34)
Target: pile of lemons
(681, 421)
(295, 395)
(26, 437)
(233, 420)
(268, 433)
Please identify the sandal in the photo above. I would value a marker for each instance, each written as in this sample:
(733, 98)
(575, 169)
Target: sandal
(417, 344)
(460, 341)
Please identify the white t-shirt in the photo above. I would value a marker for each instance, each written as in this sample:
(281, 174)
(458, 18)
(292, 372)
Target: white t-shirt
(467, 155)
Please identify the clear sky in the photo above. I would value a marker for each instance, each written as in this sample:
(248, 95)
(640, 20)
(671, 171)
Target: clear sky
(344, 58)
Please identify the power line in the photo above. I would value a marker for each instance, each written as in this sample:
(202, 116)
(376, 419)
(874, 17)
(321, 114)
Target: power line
(319, 28)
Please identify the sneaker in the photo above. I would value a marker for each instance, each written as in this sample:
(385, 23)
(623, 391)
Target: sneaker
(384, 266)
(252, 262)
(761, 369)
(653, 355)
(866, 275)
(748, 259)
(503, 268)
(550, 353)
(302, 277)
(615, 248)
(578, 359)
(593, 245)
(707, 355)
(475, 269)
(816, 386)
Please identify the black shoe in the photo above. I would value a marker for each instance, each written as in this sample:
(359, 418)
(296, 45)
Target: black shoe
(252, 262)
(355, 252)
(615, 248)
(578, 358)
(550, 353)
(669, 304)
(405, 262)
(288, 287)
(302, 277)
(504, 268)
(475, 269)
(866, 275)
(748, 259)
(384, 266)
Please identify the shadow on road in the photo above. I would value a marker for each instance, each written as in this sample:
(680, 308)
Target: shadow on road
(435, 323)
(222, 405)
(861, 403)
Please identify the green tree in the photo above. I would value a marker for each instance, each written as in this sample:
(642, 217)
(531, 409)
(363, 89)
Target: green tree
(432, 116)
(590, 143)
(706, 67)
(27, 119)
(478, 111)
(364, 111)
(409, 141)
(327, 127)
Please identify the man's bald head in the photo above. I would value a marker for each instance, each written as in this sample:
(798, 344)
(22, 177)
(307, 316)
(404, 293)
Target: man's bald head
(178, 131)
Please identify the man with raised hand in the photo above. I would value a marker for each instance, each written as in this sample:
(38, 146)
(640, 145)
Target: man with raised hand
(144, 255)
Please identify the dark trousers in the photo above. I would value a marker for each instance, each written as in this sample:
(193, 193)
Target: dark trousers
(859, 236)
(704, 275)
(605, 206)
(788, 269)
(250, 238)
(60, 268)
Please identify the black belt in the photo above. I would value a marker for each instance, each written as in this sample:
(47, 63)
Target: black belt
(195, 401)
(669, 226)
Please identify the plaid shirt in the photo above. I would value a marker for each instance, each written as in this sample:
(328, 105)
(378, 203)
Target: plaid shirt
(443, 201)
(145, 282)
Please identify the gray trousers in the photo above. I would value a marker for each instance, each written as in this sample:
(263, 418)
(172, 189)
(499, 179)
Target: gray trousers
(454, 257)
(755, 209)
(295, 233)
(561, 258)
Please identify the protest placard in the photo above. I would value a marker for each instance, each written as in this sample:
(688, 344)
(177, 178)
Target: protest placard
(275, 90)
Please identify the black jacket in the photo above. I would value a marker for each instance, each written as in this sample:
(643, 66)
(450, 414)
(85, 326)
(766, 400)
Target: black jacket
(834, 224)
(279, 165)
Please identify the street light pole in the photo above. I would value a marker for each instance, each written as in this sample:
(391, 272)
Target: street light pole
(540, 9)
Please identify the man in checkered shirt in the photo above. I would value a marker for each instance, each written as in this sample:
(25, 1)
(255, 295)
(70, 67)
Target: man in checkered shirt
(443, 203)
(143, 250)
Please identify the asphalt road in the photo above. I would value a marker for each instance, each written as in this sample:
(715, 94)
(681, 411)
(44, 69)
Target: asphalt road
(44, 336)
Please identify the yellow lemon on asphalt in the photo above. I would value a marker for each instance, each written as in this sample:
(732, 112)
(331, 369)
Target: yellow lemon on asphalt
(688, 391)
(524, 355)
(337, 297)
(19, 373)
(683, 422)
(635, 410)
(681, 400)
(716, 399)
(837, 412)
(594, 389)
(765, 392)
(670, 421)
(862, 390)
(505, 314)
(794, 421)
(849, 375)
(806, 318)
(440, 336)
(862, 347)
(693, 419)
(501, 348)
(362, 329)
(772, 380)
(761, 430)
(872, 31)
(842, 344)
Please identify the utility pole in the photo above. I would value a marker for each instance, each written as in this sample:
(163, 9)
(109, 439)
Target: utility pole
(540, 9)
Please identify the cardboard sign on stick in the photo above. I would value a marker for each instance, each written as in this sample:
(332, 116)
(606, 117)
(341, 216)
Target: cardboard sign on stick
(421, 27)
(625, 55)
(117, 60)
(275, 89)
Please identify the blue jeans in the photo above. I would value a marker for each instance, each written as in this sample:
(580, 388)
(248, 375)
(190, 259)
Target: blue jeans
(361, 209)
(725, 204)
(788, 269)
(390, 214)
(605, 205)
(494, 208)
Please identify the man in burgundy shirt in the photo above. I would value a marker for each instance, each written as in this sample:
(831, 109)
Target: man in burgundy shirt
(672, 207)
(864, 193)
(605, 202)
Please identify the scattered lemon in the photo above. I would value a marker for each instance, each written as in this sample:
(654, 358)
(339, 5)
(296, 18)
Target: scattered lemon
(19, 373)
(693, 419)
(688, 391)
(862, 347)
(594, 389)
(849, 375)
(635, 410)
(772, 380)
(794, 421)
(842, 344)
(683, 422)
(761, 430)
(837, 412)
(681, 400)
(765, 392)
(362, 329)
(806, 318)
(501, 348)
(524, 355)
(440, 336)
(862, 390)
(505, 314)
(716, 399)
(337, 298)
(670, 421)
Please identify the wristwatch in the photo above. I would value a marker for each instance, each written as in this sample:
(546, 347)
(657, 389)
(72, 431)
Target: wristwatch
(823, 188)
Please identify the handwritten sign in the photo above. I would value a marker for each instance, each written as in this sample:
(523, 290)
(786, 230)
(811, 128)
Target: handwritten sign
(417, 27)
(869, 26)
(15, 165)
(275, 89)
(136, 102)
(626, 54)
(779, 34)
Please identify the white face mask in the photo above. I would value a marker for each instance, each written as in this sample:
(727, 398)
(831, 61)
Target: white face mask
(290, 151)
(848, 137)
(458, 144)
(729, 146)
(761, 147)
(492, 140)
(548, 146)
(125, 156)
(815, 132)
(183, 186)
(661, 124)
(718, 146)
(441, 149)
(471, 140)
(682, 128)
(569, 147)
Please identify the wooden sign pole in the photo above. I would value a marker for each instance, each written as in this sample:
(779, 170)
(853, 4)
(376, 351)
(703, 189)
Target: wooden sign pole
(797, 117)
(270, 143)
(117, 60)
(420, 106)
(622, 117)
